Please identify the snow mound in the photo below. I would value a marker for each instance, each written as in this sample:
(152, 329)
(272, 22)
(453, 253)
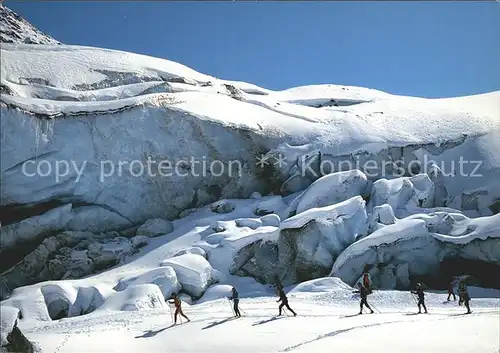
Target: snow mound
(331, 189)
(321, 285)
(192, 250)
(135, 298)
(194, 273)
(215, 292)
(271, 220)
(89, 299)
(164, 277)
(413, 247)
(59, 298)
(400, 193)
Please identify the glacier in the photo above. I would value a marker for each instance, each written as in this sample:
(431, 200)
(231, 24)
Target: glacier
(301, 188)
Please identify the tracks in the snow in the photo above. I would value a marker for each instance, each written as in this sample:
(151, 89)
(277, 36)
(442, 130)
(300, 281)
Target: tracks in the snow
(341, 331)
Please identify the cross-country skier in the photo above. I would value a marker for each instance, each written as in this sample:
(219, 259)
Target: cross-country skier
(421, 297)
(178, 309)
(450, 291)
(284, 301)
(235, 298)
(365, 280)
(464, 296)
(461, 286)
(363, 292)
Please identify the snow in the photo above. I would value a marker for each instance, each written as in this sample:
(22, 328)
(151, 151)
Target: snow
(142, 297)
(156, 107)
(415, 242)
(164, 277)
(324, 320)
(347, 209)
(89, 298)
(321, 285)
(7, 320)
(331, 189)
(155, 227)
(215, 292)
(15, 29)
(193, 271)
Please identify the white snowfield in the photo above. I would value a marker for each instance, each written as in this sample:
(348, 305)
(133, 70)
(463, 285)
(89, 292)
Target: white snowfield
(326, 321)
(85, 104)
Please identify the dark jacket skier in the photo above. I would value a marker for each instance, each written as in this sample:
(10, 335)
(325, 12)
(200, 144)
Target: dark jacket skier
(464, 296)
(363, 292)
(284, 302)
(178, 309)
(421, 297)
(236, 299)
(450, 291)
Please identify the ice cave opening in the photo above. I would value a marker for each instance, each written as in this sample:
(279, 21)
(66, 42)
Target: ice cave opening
(478, 273)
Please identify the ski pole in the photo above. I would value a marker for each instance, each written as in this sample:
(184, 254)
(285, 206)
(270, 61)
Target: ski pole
(373, 306)
(414, 299)
(232, 309)
(171, 313)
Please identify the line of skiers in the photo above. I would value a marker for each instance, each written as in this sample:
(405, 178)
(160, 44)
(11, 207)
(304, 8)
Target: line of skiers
(174, 299)
(365, 289)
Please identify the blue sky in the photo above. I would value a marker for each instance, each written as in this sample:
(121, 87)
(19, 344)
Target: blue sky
(428, 49)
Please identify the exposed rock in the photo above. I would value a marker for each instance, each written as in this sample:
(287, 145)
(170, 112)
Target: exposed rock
(79, 265)
(70, 255)
(15, 29)
(139, 241)
(155, 227)
(256, 195)
(38, 226)
(8, 319)
(18, 342)
(222, 206)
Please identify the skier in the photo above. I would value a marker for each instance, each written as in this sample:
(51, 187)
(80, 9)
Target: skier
(363, 292)
(421, 300)
(235, 298)
(450, 291)
(461, 287)
(464, 296)
(366, 280)
(284, 301)
(178, 309)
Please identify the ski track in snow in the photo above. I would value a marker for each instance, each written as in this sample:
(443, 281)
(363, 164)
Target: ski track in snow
(212, 331)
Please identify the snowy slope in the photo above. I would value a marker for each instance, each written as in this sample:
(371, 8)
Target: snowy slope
(15, 29)
(89, 105)
(325, 320)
